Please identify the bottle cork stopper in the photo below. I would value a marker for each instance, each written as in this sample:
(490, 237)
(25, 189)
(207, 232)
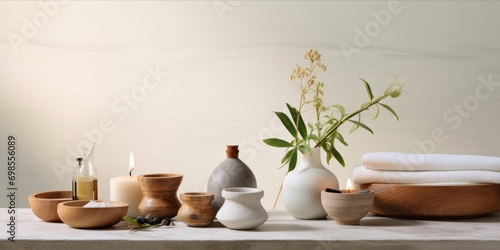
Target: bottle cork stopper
(232, 151)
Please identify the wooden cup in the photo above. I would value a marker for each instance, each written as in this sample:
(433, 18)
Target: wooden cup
(196, 209)
(160, 195)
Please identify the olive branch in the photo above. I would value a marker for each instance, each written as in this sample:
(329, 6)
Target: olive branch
(324, 131)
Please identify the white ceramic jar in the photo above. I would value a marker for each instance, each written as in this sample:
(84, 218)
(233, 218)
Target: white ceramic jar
(242, 208)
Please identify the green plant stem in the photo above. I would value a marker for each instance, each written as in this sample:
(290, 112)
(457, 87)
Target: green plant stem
(346, 118)
(318, 116)
(298, 117)
(279, 192)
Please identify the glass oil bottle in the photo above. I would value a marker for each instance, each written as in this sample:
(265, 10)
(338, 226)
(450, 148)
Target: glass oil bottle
(85, 178)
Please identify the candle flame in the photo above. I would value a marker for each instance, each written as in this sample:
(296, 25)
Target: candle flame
(131, 163)
(349, 186)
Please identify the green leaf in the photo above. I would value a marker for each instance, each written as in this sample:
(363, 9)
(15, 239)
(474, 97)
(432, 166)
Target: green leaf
(286, 158)
(131, 221)
(332, 137)
(298, 121)
(368, 89)
(326, 134)
(304, 148)
(390, 110)
(396, 94)
(333, 121)
(293, 160)
(287, 123)
(313, 137)
(362, 125)
(337, 156)
(311, 127)
(340, 108)
(355, 126)
(326, 147)
(341, 139)
(279, 143)
(366, 104)
(376, 112)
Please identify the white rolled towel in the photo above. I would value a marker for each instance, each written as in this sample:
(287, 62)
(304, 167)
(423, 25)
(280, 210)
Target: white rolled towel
(362, 175)
(395, 161)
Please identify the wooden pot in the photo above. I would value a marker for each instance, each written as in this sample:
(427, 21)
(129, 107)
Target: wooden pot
(196, 209)
(159, 195)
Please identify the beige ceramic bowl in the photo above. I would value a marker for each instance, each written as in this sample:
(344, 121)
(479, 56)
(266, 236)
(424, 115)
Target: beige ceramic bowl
(347, 208)
(75, 215)
(44, 204)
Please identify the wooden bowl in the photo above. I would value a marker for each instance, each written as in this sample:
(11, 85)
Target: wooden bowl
(44, 204)
(435, 201)
(75, 215)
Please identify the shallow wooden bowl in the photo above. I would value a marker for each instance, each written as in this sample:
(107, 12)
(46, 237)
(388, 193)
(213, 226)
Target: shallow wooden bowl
(44, 204)
(75, 215)
(435, 201)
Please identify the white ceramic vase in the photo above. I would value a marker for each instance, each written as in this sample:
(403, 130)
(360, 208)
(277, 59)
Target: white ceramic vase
(242, 208)
(302, 187)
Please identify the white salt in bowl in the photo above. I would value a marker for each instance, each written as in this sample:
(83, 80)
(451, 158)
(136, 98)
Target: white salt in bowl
(74, 214)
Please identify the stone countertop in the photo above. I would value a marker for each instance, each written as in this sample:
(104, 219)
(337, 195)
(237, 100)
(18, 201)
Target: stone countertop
(281, 231)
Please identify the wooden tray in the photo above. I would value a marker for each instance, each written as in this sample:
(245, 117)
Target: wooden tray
(434, 201)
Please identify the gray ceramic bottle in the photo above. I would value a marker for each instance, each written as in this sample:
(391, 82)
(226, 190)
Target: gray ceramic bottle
(231, 172)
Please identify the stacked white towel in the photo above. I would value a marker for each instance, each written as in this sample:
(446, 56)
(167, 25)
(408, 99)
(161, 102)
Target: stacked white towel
(392, 167)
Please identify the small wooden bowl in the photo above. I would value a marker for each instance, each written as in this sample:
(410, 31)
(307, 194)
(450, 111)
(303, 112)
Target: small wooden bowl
(196, 209)
(435, 201)
(75, 215)
(44, 204)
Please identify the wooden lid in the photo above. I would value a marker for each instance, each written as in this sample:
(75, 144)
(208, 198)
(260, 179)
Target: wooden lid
(232, 151)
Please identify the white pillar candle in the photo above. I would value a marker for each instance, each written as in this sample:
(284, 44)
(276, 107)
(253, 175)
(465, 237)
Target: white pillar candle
(126, 189)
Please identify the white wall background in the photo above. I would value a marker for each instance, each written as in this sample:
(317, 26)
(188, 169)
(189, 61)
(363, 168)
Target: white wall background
(223, 74)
